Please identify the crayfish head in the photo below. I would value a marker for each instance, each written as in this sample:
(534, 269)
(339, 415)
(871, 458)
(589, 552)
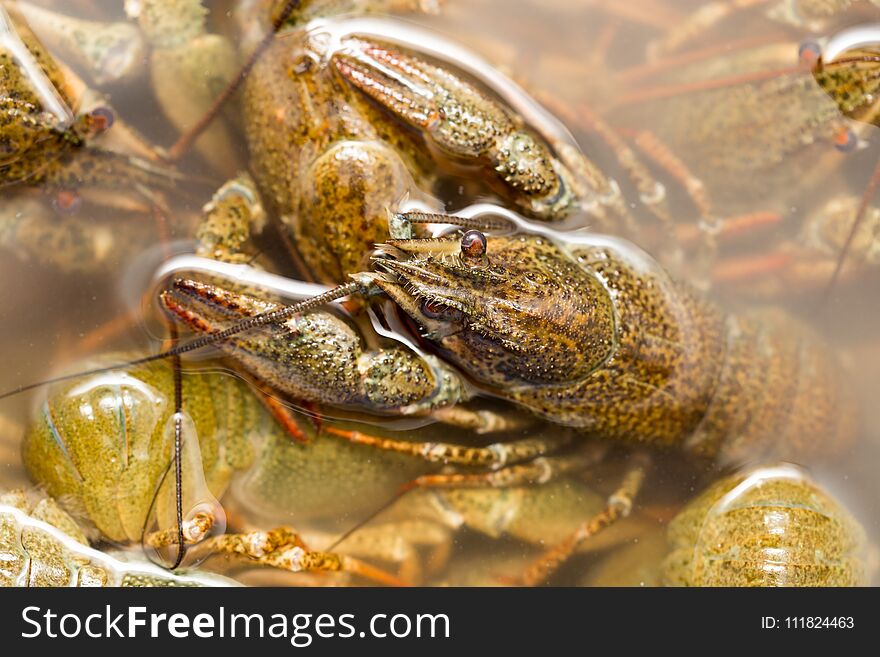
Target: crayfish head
(507, 310)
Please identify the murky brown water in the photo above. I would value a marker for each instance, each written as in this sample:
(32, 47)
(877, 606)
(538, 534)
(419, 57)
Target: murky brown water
(584, 58)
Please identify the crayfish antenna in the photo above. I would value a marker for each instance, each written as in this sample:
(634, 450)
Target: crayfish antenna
(272, 317)
(867, 196)
(182, 145)
(369, 518)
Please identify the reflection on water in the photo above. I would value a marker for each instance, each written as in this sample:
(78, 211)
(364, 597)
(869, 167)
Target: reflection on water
(760, 178)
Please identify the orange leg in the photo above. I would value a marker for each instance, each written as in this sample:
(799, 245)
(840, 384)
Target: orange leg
(602, 44)
(283, 414)
(660, 153)
(495, 456)
(667, 91)
(283, 548)
(481, 420)
(651, 192)
(734, 270)
(652, 69)
(698, 23)
(619, 506)
(732, 228)
(539, 471)
(711, 229)
(648, 12)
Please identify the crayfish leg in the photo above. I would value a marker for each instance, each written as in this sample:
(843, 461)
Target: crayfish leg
(619, 505)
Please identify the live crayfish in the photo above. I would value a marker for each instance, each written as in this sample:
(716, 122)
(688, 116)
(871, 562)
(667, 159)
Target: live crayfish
(751, 133)
(807, 15)
(592, 335)
(352, 73)
(117, 490)
(50, 123)
(345, 144)
(706, 128)
(337, 221)
(807, 262)
(568, 332)
(532, 376)
(63, 144)
(386, 123)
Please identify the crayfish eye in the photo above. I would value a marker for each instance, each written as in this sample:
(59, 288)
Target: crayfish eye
(67, 201)
(473, 245)
(102, 118)
(432, 309)
(846, 141)
(809, 52)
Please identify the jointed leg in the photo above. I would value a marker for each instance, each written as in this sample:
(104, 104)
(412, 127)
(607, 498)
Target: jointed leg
(279, 548)
(282, 413)
(283, 548)
(711, 228)
(399, 542)
(537, 471)
(619, 506)
(651, 192)
(480, 420)
(697, 24)
(493, 456)
(662, 155)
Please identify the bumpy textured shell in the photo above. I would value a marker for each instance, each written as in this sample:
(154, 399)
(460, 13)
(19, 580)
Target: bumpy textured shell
(672, 369)
(101, 444)
(327, 479)
(40, 545)
(769, 527)
(29, 140)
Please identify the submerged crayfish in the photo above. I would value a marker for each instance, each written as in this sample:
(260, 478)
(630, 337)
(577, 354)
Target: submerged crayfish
(104, 444)
(250, 462)
(50, 123)
(771, 526)
(590, 334)
(66, 157)
(347, 119)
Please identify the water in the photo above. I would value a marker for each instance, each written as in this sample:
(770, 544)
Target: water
(581, 58)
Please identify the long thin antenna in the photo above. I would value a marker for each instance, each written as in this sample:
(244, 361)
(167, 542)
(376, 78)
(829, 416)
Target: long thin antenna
(862, 212)
(271, 317)
(178, 449)
(365, 521)
(479, 223)
(182, 145)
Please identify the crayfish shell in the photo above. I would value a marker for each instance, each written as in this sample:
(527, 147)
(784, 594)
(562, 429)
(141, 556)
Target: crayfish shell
(769, 527)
